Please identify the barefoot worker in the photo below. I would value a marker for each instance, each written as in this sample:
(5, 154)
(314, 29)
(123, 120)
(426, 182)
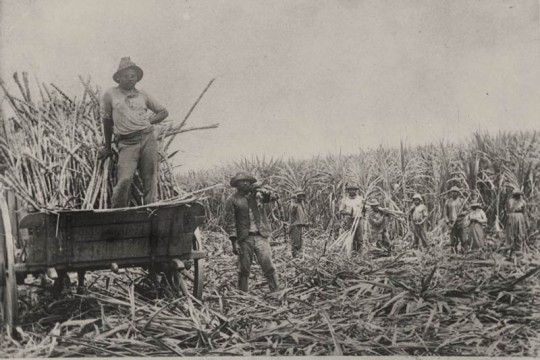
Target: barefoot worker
(131, 113)
(248, 228)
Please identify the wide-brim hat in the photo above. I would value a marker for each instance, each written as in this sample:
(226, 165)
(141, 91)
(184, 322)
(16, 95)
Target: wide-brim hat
(126, 63)
(455, 188)
(476, 204)
(299, 192)
(374, 203)
(242, 175)
(517, 192)
(351, 186)
(417, 196)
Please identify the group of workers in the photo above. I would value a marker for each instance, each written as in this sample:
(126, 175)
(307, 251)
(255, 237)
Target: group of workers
(248, 228)
(465, 221)
(130, 113)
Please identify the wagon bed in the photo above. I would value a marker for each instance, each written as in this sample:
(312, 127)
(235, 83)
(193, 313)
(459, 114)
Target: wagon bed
(162, 238)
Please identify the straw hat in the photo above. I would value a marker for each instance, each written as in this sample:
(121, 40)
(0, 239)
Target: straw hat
(455, 188)
(126, 63)
(517, 191)
(476, 204)
(242, 175)
(351, 186)
(417, 196)
(374, 202)
(298, 192)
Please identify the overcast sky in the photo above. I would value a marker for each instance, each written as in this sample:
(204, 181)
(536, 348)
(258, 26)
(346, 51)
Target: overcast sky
(296, 77)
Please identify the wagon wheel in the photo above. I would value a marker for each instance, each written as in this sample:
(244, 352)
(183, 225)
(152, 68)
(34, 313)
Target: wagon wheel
(7, 269)
(192, 278)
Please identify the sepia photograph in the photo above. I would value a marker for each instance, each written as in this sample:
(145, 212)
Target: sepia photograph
(189, 178)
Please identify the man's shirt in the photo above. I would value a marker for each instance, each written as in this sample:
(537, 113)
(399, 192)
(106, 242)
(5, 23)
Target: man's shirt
(129, 109)
(352, 207)
(377, 221)
(242, 215)
(419, 213)
(297, 214)
(454, 209)
(252, 222)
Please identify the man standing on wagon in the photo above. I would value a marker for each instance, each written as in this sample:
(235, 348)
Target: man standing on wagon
(131, 113)
(248, 228)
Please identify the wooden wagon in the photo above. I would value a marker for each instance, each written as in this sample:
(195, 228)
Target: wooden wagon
(161, 237)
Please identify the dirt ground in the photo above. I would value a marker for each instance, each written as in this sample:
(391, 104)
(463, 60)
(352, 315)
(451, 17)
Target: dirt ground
(411, 303)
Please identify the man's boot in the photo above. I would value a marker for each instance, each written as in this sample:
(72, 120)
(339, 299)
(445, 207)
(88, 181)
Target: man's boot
(272, 282)
(243, 283)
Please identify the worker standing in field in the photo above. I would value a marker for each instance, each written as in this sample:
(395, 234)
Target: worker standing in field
(516, 225)
(477, 220)
(419, 215)
(454, 215)
(377, 221)
(298, 220)
(130, 114)
(248, 228)
(352, 206)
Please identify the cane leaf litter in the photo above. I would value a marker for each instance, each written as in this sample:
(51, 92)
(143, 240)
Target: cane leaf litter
(430, 302)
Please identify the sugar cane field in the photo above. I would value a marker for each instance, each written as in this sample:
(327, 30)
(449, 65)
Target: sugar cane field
(422, 302)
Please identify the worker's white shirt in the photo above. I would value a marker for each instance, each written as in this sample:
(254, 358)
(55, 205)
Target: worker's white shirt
(352, 207)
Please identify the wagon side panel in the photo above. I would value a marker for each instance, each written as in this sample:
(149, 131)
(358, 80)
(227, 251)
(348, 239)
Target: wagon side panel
(103, 238)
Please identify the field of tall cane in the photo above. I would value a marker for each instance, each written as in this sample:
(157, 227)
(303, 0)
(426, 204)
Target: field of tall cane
(486, 167)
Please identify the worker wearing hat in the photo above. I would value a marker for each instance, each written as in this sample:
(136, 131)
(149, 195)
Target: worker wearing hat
(130, 114)
(377, 223)
(297, 220)
(454, 213)
(248, 228)
(419, 215)
(351, 207)
(476, 219)
(516, 225)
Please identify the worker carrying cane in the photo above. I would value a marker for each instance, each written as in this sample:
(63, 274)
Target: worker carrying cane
(352, 207)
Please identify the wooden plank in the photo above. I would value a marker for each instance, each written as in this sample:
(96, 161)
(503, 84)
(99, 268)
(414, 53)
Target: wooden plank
(180, 245)
(83, 219)
(112, 232)
(37, 245)
(96, 238)
(13, 216)
(103, 250)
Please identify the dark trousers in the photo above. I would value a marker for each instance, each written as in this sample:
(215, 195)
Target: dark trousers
(295, 234)
(358, 234)
(137, 152)
(260, 247)
(383, 240)
(458, 234)
(420, 236)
